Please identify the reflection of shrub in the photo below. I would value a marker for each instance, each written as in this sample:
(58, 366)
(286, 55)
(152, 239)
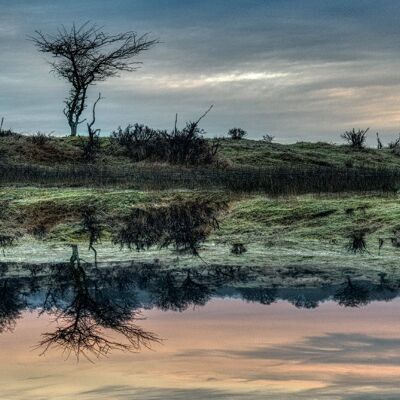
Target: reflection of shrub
(237, 133)
(396, 238)
(356, 139)
(39, 231)
(91, 226)
(352, 294)
(7, 240)
(357, 241)
(184, 225)
(238, 249)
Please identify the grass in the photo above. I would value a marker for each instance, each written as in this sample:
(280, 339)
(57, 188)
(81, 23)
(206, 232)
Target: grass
(243, 166)
(68, 150)
(259, 153)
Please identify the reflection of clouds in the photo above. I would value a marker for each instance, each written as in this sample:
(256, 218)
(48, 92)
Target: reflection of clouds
(336, 391)
(371, 365)
(332, 348)
(124, 392)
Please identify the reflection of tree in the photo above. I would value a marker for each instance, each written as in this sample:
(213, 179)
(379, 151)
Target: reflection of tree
(259, 295)
(86, 314)
(303, 301)
(352, 294)
(11, 304)
(169, 294)
(194, 293)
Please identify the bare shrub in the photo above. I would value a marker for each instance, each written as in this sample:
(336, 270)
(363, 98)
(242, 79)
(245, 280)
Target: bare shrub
(356, 139)
(92, 145)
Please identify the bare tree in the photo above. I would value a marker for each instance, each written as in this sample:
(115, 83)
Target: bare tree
(85, 55)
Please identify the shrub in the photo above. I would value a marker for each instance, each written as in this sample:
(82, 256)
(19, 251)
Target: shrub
(268, 138)
(186, 146)
(138, 140)
(6, 132)
(237, 133)
(40, 139)
(355, 139)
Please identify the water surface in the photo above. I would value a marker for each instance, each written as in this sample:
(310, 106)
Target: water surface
(206, 335)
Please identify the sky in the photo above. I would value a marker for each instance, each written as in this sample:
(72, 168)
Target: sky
(297, 70)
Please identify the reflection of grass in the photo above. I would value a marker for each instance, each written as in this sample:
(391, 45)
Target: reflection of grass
(304, 221)
(302, 225)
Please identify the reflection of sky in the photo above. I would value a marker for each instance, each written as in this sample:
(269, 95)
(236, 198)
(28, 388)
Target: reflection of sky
(225, 350)
(298, 70)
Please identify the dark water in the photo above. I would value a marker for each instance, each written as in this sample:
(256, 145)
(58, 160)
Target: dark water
(150, 332)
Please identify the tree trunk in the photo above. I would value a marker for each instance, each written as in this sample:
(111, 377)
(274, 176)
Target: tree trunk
(74, 129)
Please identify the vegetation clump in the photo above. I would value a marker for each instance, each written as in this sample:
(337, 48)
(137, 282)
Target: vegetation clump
(356, 139)
(237, 133)
(185, 146)
(268, 138)
(40, 139)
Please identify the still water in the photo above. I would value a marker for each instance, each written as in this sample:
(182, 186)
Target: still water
(150, 333)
